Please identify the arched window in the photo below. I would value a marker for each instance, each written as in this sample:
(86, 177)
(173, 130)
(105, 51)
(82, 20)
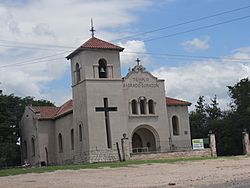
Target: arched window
(72, 138)
(25, 150)
(78, 73)
(151, 108)
(80, 133)
(33, 149)
(175, 124)
(60, 143)
(134, 107)
(143, 106)
(102, 68)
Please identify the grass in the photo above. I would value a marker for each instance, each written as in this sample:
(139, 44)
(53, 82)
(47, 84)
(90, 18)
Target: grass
(17, 171)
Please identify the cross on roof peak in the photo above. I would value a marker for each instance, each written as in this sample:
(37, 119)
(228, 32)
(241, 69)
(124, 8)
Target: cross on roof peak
(92, 30)
(138, 61)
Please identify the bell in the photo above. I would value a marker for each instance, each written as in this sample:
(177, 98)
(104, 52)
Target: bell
(102, 70)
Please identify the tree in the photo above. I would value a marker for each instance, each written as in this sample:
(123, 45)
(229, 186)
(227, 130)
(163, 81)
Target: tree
(198, 119)
(227, 125)
(11, 111)
(240, 94)
(213, 110)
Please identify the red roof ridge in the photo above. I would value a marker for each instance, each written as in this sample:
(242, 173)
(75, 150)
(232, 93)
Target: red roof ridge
(176, 102)
(95, 43)
(45, 112)
(65, 108)
(52, 112)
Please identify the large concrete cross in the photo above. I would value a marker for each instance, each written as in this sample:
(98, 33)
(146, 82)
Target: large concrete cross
(106, 109)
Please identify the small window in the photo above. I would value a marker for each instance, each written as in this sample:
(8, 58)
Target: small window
(78, 73)
(72, 138)
(60, 143)
(134, 107)
(80, 133)
(33, 149)
(102, 68)
(151, 109)
(175, 124)
(143, 106)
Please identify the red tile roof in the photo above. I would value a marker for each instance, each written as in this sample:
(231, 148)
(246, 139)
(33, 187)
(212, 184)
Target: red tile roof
(176, 102)
(52, 112)
(95, 43)
(65, 108)
(45, 112)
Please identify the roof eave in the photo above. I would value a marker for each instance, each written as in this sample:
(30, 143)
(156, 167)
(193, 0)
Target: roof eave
(188, 104)
(71, 55)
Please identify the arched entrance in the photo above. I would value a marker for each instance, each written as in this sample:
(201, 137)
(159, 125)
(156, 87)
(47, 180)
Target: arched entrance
(144, 139)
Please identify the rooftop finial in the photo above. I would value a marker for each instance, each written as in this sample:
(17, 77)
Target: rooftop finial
(138, 61)
(92, 28)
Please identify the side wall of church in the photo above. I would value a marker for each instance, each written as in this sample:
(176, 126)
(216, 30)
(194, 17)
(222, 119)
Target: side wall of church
(63, 126)
(36, 135)
(182, 139)
(46, 132)
(29, 131)
(142, 85)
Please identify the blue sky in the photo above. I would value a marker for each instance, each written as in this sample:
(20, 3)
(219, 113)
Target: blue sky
(33, 30)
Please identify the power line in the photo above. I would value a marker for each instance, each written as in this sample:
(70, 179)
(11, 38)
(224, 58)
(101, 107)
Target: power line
(131, 36)
(35, 44)
(31, 61)
(17, 65)
(29, 47)
(151, 39)
(156, 38)
(175, 56)
(190, 56)
(198, 28)
(174, 34)
(184, 23)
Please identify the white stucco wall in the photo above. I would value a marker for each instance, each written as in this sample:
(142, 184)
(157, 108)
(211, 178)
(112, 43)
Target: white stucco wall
(183, 140)
(142, 84)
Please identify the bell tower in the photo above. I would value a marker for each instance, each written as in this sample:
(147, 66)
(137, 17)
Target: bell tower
(98, 102)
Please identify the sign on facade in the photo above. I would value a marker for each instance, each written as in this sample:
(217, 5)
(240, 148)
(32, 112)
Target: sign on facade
(197, 144)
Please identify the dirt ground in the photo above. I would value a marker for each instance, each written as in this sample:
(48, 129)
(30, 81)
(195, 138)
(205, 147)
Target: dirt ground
(207, 173)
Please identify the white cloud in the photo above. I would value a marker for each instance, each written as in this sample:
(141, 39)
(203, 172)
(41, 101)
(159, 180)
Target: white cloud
(133, 49)
(205, 78)
(57, 22)
(196, 44)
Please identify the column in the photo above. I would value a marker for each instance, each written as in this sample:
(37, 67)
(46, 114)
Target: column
(212, 143)
(245, 142)
(125, 148)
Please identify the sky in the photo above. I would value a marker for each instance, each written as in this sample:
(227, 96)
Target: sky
(199, 47)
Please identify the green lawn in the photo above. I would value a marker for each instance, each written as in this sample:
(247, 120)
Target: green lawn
(16, 171)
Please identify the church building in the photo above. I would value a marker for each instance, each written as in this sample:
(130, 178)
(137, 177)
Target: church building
(105, 108)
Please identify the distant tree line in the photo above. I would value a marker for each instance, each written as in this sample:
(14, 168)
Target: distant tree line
(227, 125)
(11, 111)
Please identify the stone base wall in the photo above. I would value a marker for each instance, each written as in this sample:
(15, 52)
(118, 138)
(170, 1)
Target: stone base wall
(104, 155)
(100, 155)
(92, 156)
(191, 153)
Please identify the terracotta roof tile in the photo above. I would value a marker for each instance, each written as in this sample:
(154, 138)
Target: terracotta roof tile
(45, 112)
(65, 108)
(176, 102)
(95, 43)
(52, 112)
